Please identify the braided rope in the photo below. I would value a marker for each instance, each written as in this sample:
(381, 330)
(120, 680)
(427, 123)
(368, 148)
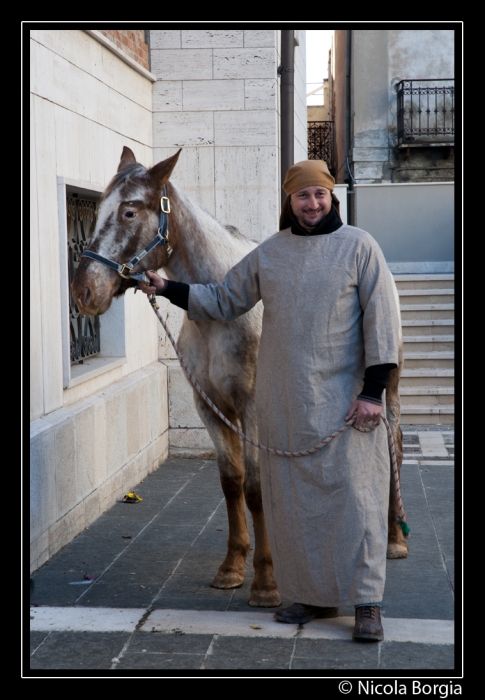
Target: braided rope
(400, 516)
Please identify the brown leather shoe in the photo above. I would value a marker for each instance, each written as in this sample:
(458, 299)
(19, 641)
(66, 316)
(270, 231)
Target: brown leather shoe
(298, 613)
(368, 626)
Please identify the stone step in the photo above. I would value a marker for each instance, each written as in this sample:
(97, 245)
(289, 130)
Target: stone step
(429, 355)
(427, 311)
(427, 326)
(433, 360)
(429, 296)
(427, 415)
(427, 317)
(424, 376)
(429, 343)
(429, 399)
(424, 281)
(419, 292)
(421, 410)
(426, 390)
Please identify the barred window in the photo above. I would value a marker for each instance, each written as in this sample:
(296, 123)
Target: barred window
(85, 338)
(321, 143)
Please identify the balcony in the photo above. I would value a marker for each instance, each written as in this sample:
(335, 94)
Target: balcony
(425, 113)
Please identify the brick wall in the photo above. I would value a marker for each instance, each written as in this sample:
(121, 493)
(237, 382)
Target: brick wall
(131, 42)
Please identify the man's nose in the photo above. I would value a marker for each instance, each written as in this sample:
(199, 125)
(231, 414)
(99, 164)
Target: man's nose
(313, 202)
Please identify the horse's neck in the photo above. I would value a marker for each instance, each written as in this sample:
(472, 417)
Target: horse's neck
(203, 250)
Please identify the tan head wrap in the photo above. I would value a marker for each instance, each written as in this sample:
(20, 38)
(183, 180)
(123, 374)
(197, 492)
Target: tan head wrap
(308, 173)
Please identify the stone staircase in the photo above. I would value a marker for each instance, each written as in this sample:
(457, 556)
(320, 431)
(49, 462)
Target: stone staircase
(427, 380)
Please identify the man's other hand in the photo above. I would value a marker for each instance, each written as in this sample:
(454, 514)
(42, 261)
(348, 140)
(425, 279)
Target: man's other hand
(366, 412)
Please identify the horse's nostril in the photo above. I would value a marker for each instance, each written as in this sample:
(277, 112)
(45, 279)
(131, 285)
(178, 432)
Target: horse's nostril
(87, 295)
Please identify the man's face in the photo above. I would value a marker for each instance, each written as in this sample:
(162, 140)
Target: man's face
(310, 205)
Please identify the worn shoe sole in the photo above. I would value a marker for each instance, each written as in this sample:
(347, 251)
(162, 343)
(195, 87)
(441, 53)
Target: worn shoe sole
(327, 613)
(363, 637)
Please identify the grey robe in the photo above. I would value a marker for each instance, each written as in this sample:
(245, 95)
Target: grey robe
(330, 311)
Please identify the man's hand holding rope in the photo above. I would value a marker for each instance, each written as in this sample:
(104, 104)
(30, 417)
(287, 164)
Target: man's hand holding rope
(366, 412)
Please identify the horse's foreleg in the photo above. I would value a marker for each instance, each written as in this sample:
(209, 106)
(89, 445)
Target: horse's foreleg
(264, 592)
(397, 546)
(231, 573)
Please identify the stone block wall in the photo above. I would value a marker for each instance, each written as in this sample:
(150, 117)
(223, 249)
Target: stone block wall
(216, 97)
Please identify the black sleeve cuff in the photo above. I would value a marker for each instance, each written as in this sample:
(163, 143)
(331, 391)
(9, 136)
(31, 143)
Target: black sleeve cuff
(177, 293)
(375, 381)
(378, 402)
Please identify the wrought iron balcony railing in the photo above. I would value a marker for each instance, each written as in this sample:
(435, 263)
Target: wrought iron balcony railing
(321, 143)
(426, 112)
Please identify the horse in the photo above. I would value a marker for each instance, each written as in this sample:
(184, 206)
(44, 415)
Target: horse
(222, 356)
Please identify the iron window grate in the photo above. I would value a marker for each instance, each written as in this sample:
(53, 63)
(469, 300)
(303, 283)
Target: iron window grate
(84, 330)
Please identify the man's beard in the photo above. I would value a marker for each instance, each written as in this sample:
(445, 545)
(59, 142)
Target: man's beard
(314, 223)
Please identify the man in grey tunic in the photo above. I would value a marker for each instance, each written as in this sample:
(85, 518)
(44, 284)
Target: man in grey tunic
(331, 334)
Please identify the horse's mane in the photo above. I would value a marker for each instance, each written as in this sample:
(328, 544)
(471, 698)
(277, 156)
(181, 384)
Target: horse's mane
(237, 233)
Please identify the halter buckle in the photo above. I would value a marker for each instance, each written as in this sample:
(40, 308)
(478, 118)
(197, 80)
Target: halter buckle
(166, 201)
(124, 268)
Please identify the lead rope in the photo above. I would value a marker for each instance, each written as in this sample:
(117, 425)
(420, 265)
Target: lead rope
(400, 516)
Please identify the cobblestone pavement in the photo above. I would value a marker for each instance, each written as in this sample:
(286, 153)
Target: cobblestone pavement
(149, 609)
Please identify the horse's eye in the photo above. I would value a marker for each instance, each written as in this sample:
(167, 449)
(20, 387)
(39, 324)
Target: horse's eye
(129, 214)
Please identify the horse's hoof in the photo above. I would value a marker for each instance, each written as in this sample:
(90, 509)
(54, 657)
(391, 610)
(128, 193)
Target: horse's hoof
(228, 579)
(397, 551)
(265, 599)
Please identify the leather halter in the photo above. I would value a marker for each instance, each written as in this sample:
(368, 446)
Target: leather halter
(161, 238)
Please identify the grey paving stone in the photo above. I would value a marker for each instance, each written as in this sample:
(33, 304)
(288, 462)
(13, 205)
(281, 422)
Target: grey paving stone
(443, 499)
(450, 568)
(164, 661)
(444, 524)
(438, 475)
(181, 602)
(86, 551)
(123, 595)
(408, 655)
(78, 650)
(335, 654)
(36, 638)
(164, 642)
(137, 570)
(248, 653)
(409, 440)
(425, 597)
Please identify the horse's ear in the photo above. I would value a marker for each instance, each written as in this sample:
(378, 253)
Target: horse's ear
(127, 158)
(162, 171)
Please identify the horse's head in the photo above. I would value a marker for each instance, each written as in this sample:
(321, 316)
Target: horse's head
(128, 220)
